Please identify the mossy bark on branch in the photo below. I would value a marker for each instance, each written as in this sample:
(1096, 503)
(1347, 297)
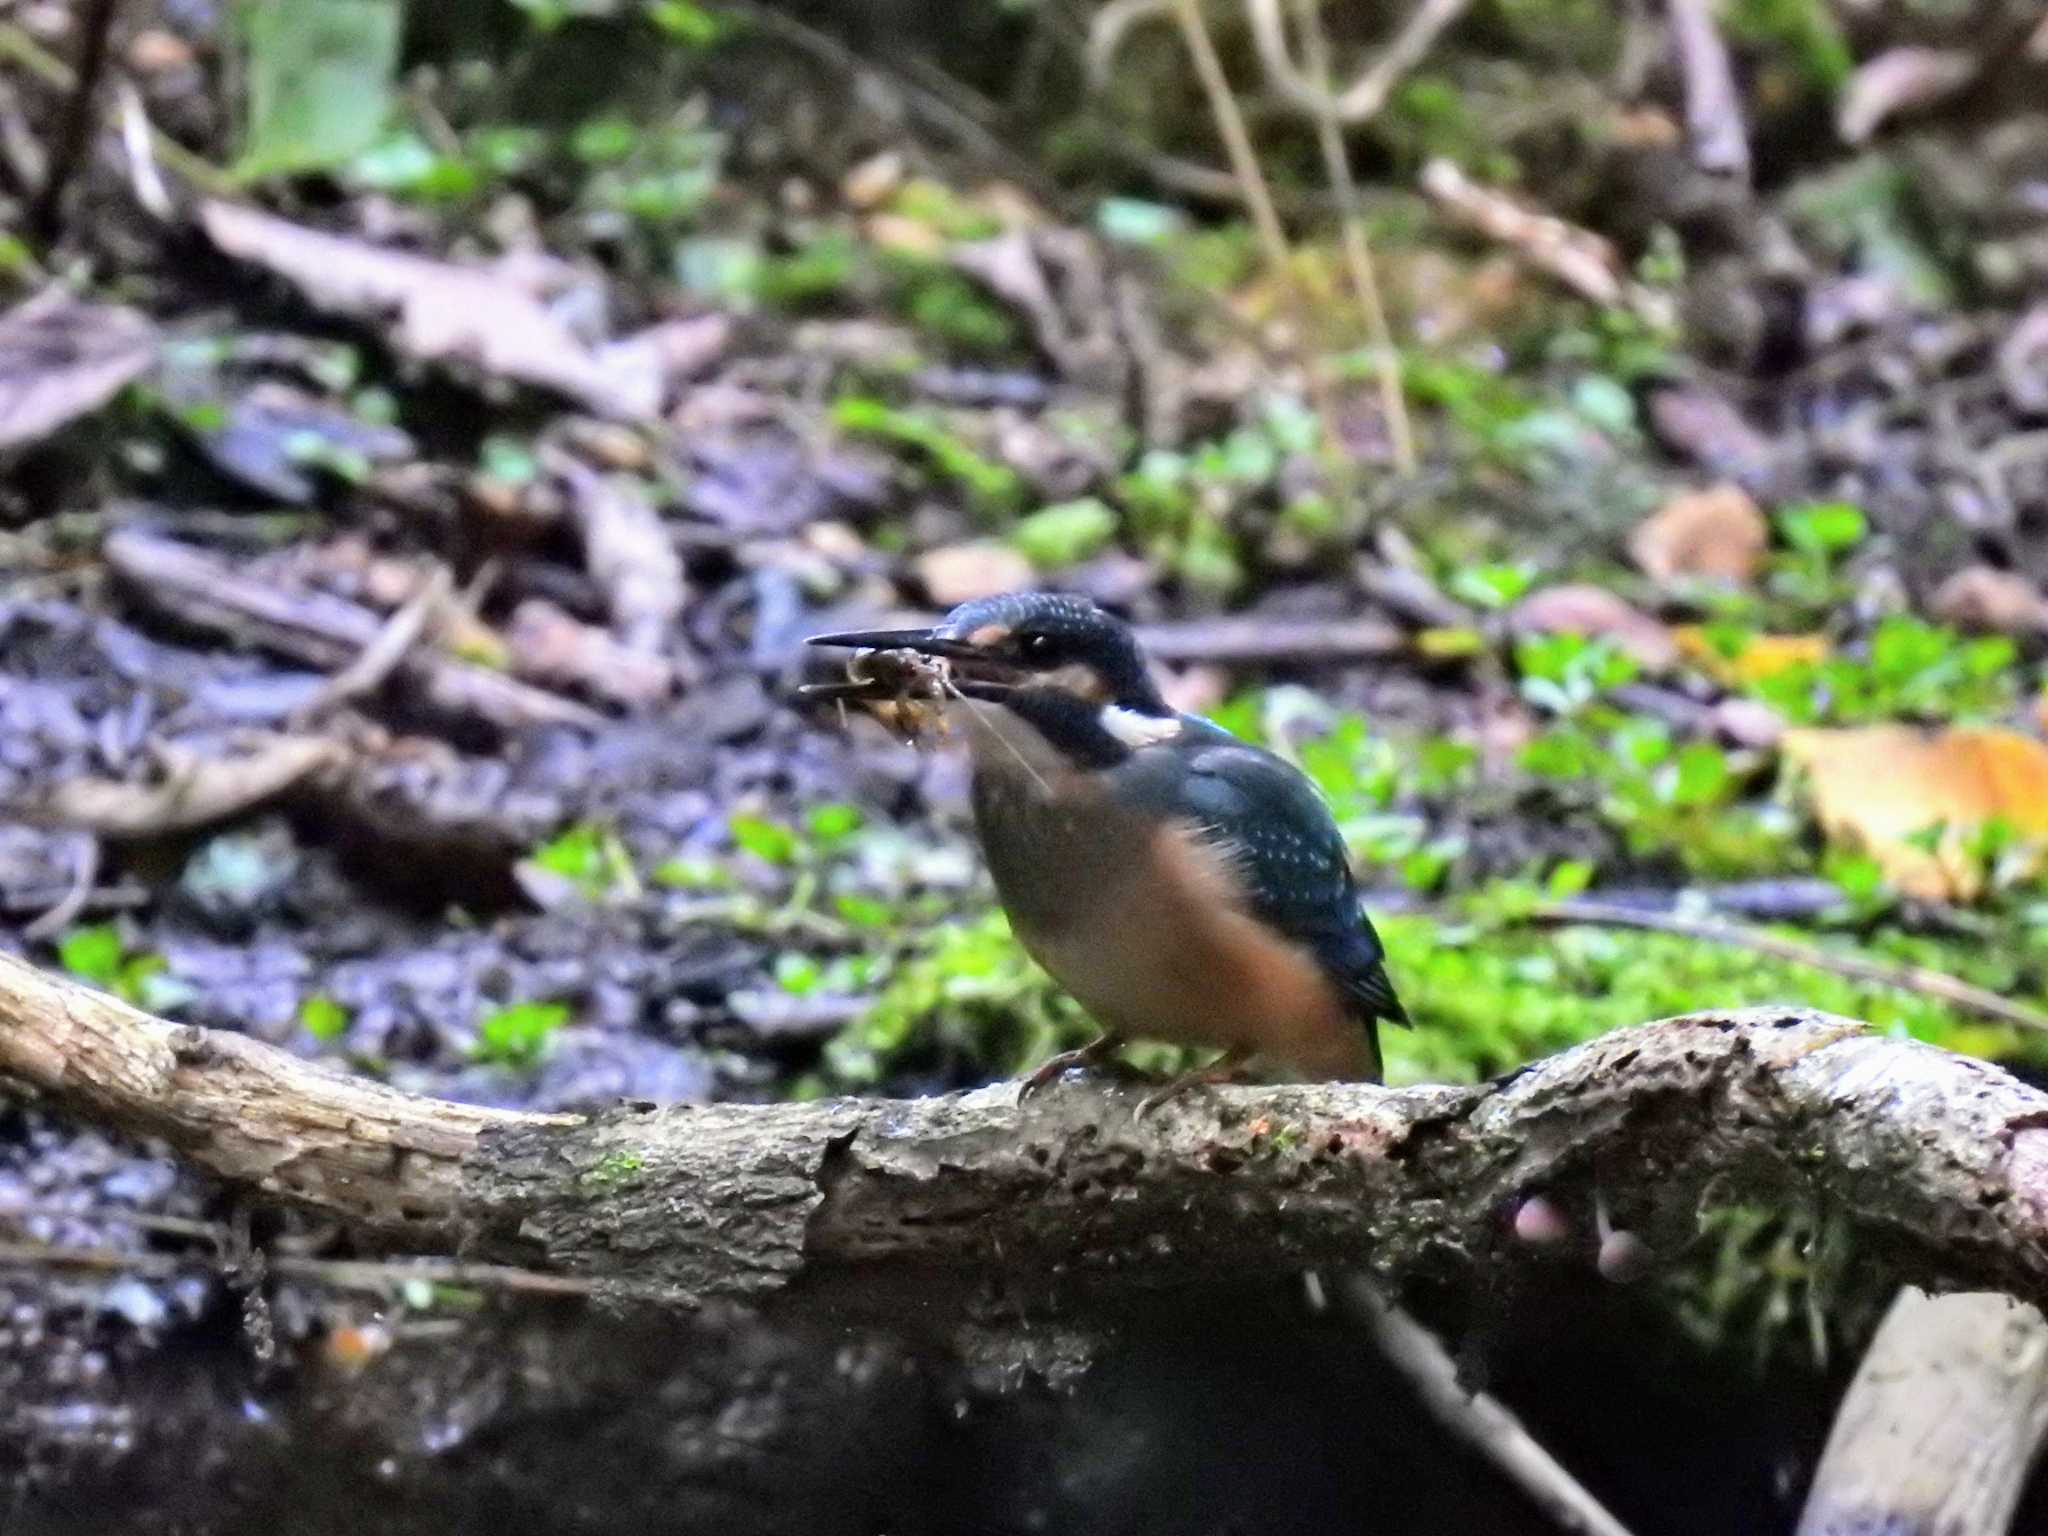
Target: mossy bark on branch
(1940, 1162)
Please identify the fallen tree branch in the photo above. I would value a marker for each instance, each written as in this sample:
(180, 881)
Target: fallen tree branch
(1939, 1162)
(193, 791)
(1581, 260)
(1942, 1425)
(1480, 1419)
(320, 630)
(1927, 982)
(1713, 106)
(1247, 641)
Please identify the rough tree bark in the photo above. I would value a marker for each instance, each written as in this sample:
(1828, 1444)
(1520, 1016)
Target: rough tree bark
(1940, 1162)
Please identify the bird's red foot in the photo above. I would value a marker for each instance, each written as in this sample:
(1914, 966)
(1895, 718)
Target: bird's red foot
(1096, 1053)
(1224, 1069)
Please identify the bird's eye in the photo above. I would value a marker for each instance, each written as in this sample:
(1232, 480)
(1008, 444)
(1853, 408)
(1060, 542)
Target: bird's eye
(1037, 647)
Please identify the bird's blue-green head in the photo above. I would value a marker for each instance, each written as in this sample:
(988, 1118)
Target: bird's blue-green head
(1060, 663)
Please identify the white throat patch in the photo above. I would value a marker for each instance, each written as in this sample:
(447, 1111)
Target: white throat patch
(1137, 730)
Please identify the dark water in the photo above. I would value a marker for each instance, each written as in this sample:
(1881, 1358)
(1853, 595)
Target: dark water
(1243, 1416)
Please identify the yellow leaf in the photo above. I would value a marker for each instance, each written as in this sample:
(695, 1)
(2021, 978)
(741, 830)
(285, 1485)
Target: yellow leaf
(1449, 644)
(1878, 788)
(1761, 656)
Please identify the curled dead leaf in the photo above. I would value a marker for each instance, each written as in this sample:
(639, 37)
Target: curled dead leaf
(1883, 790)
(438, 312)
(1584, 609)
(60, 360)
(959, 573)
(558, 650)
(874, 181)
(1899, 80)
(1717, 533)
(1988, 600)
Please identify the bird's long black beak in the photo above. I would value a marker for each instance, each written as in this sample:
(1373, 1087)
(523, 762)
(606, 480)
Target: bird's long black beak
(928, 642)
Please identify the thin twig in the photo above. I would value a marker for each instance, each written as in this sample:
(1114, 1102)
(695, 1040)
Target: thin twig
(1364, 97)
(143, 175)
(1477, 1418)
(85, 871)
(1110, 26)
(343, 1274)
(1713, 109)
(1357, 249)
(1888, 973)
(74, 132)
(385, 653)
(1244, 165)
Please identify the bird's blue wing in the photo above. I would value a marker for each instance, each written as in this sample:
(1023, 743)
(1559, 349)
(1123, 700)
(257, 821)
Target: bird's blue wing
(1286, 848)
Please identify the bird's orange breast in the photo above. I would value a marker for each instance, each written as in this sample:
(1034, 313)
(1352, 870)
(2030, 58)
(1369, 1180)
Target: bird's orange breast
(1157, 943)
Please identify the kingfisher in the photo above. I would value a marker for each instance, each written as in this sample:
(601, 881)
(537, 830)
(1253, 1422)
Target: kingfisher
(1182, 884)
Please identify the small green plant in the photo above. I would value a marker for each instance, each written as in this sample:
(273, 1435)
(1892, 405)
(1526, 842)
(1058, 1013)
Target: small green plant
(590, 857)
(1909, 669)
(1177, 508)
(518, 1034)
(1817, 536)
(994, 489)
(1562, 673)
(614, 1171)
(322, 1017)
(100, 955)
(817, 273)
(773, 842)
(687, 22)
(966, 991)
(317, 81)
(1492, 587)
(1805, 31)
(1493, 991)
(807, 855)
(1772, 1277)
(950, 310)
(1056, 537)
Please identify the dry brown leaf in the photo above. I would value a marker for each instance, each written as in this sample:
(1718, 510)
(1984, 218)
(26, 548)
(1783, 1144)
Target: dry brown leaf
(1761, 656)
(556, 649)
(1698, 424)
(645, 364)
(1982, 598)
(628, 552)
(902, 235)
(874, 181)
(1717, 533)
(959, 573)
(1899, 80)
(60, 360)
(439, 312)
(195, 790)
(1875, 789)
(1584, 609)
